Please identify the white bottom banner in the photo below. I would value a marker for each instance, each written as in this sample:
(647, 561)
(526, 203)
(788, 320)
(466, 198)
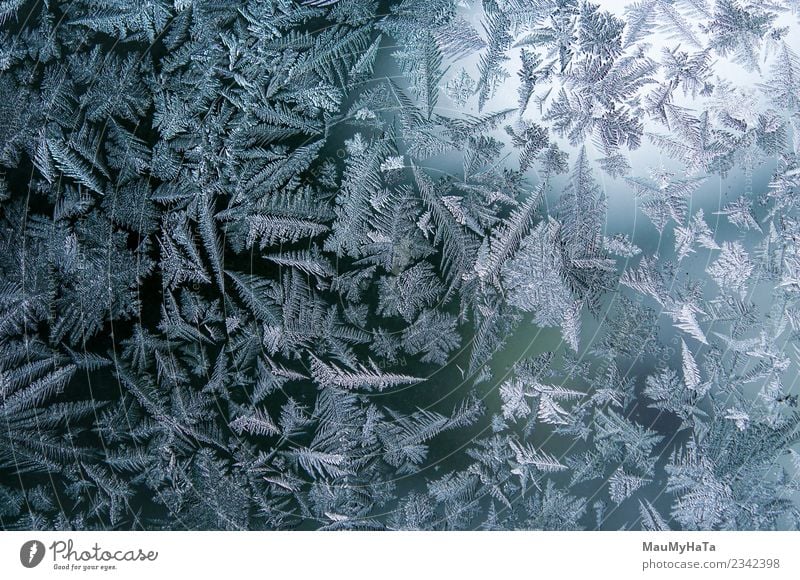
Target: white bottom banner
(413, 555)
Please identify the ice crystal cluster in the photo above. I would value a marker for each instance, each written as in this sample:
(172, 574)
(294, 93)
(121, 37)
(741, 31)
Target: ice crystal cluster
(417, 264)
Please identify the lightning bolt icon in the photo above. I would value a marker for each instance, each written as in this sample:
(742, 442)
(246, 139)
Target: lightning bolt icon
(34, 549)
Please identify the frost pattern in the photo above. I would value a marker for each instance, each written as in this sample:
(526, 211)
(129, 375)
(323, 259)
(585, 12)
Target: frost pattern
(268, 264)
